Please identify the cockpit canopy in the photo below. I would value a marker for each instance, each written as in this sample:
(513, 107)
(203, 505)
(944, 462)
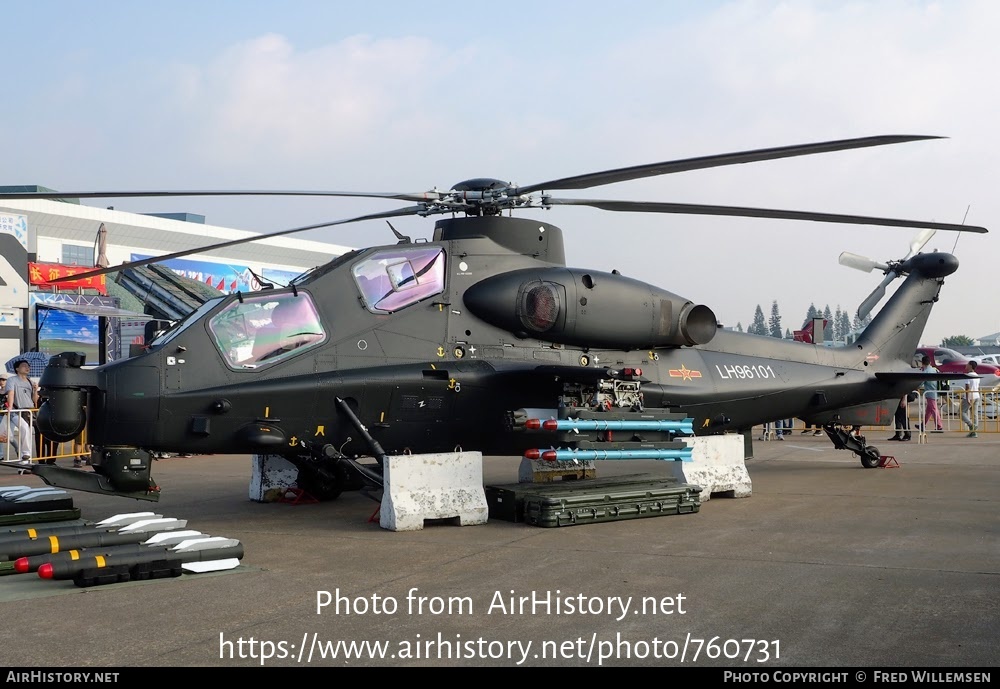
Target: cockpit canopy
(266, 328)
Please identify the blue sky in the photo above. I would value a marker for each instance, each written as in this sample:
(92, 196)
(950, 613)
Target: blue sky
(406, 97)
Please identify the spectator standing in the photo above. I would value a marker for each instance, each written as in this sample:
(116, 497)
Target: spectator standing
(4, 435)
(22, 394)
(931, 397)
(902, 418)
(970, 400)
(782, 428)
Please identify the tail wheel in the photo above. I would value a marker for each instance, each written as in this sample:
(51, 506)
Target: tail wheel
(871, 458)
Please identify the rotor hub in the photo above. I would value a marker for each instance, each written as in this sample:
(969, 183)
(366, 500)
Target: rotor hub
(482, 196)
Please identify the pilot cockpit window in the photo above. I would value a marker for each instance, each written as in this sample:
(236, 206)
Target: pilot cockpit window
(263, 329)
(392, 279)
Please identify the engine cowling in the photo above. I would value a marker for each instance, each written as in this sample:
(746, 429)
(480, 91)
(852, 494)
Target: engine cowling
(589, 309)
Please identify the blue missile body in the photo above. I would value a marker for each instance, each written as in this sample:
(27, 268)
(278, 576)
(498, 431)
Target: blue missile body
(682, 455)
(684, 426)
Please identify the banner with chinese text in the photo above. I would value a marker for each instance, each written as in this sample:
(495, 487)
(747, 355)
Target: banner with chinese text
(43, 274)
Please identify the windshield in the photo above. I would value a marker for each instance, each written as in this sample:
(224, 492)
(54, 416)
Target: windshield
(264, 329)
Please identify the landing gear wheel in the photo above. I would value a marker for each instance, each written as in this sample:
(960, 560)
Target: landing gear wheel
(321, 481)
(871, 457)
(319, 489)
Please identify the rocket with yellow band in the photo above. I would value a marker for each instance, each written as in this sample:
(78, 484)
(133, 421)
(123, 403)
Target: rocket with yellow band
(225, 553)
(119, 521)
(161, 540)
(136, 533)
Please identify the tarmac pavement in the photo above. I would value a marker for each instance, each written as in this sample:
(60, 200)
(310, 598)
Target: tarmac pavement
(827, 564)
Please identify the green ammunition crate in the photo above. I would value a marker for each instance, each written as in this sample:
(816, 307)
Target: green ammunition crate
(626, 502)
(604, 499)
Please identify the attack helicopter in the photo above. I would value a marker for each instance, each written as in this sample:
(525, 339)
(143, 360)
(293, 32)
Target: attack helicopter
(463, 340)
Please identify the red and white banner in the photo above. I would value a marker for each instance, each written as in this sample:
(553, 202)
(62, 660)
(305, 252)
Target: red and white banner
(43, 274)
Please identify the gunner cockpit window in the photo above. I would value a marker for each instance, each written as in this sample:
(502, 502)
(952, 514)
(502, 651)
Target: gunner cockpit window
(264, 329)
(392, 279)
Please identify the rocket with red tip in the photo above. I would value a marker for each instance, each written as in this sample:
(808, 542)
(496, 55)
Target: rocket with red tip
(196, 555)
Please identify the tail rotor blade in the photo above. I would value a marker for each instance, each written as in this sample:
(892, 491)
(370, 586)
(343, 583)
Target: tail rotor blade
(919, 240)
(876, 296)
(862, 263)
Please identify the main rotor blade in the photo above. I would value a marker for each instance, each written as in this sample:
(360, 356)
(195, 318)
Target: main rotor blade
(410, 210)
(743, 212)
(428, 196)
(596, 179)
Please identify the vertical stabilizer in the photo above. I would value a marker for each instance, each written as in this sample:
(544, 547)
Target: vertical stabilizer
(895, 333)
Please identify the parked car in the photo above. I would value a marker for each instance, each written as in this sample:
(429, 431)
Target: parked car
(989, 359)
(949, 361)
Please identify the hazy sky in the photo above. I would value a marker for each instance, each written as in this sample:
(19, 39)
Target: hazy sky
(405, 97)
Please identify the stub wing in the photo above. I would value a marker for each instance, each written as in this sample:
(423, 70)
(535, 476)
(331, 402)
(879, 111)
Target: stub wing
(591, 375)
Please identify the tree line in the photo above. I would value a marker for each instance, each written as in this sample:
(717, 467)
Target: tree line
(838, 323)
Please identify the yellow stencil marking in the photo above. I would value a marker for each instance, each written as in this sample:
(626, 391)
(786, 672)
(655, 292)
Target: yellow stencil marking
(100, 561)
(440, 351)
(293, 441)
(320, 430)
(32, 534)
(267, 412)
(381, 417)
(74, 555)
(705, 425)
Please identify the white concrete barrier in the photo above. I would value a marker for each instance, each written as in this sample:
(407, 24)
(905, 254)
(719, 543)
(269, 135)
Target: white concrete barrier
(717, 465)
(270, 477)
(445, 485)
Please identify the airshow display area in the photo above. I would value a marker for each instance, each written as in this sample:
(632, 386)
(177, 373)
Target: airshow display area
(43, 240)
(828, 565)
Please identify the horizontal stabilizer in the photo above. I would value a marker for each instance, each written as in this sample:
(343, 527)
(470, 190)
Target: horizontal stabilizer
(918, 376)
